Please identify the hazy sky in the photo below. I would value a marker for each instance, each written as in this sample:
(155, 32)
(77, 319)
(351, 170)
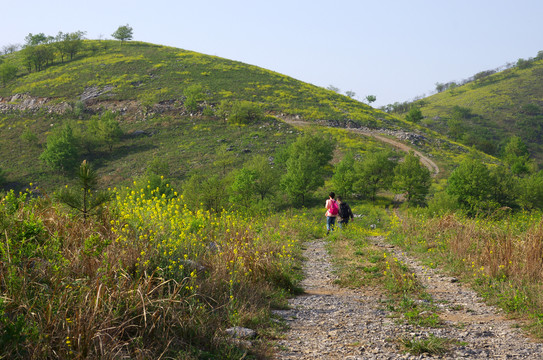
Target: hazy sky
(393, 49)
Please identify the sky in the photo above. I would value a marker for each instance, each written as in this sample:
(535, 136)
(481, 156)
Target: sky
(394, 49)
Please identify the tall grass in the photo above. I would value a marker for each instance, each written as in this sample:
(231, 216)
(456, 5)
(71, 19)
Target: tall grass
(502, 258)
(147, 278)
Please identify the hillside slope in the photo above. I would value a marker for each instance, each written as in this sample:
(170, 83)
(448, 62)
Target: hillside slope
(486, 112)
(148, 87)
(153, 73)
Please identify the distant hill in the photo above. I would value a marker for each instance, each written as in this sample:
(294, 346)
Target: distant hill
(484, 113)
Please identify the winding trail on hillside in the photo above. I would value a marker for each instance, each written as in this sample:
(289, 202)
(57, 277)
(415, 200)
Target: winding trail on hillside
(329, 322)
(425, 160)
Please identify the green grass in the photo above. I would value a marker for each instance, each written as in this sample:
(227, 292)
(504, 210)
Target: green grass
(432, 345)
(185, 144)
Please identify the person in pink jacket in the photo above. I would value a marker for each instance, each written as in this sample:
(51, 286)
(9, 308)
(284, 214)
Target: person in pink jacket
(332, 209)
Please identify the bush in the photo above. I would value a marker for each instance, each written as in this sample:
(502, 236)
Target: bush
(245, 112)
(61, 150)
(472, 184)
(193, 95)
(414, 115)
(442, 203)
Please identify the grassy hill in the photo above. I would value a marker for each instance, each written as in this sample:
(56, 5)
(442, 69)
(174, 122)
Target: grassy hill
(484, 113)
(147, 86)
(162, 73)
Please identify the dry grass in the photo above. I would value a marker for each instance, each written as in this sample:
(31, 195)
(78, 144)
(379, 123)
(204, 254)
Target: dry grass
(70, 289)
(503, 259)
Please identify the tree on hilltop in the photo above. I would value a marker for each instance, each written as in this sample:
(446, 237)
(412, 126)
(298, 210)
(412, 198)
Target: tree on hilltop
(371, 98)
(69, 44)
(350, 93)
(10, 48)
(123, 33)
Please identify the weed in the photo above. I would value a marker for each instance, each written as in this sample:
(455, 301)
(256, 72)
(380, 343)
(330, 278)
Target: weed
(432, 345)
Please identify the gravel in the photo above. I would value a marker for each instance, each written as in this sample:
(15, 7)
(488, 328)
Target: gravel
(329, 322)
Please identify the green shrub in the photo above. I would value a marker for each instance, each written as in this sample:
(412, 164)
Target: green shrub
(245, 112)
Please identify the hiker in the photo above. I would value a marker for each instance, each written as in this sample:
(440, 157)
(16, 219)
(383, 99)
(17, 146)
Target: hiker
(332, 209)
(344, 213)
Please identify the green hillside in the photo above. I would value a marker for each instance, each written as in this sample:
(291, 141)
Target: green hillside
(486, 112)
(162, 73)
(168, 102)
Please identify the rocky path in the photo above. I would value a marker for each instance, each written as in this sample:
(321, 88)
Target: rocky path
(328, 322)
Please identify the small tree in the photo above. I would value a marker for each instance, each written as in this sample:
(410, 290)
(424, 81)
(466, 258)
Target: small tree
(531, 191)
(223, 110)
(86, 199)
(104, 130)
(123, 33)
(193, 95)
(61, 149)
(29, 137)
(516, 155)
(110, 130)
(224, 158)
(473, 186)
(344, 176)
(243, 187)
(333, 88)
(245, 112)
(10, 48)
(8, 72)
(307, 158)
(414, 115)
(207, 192)
(266, 176)
(413, 179)
(374, 173)
(350, 93)
(69, 44)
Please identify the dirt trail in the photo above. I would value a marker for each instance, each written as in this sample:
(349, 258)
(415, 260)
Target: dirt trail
(425, 160)
(328, 322)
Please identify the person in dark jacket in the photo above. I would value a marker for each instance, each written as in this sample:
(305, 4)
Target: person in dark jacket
(345, 212)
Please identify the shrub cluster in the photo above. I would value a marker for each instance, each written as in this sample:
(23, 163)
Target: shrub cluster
(143, 279)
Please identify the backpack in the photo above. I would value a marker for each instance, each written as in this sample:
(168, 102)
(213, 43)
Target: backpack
(343, 210)
(334, 209)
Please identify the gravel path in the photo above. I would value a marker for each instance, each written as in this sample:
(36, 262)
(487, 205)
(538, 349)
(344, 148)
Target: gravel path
(329, 322)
